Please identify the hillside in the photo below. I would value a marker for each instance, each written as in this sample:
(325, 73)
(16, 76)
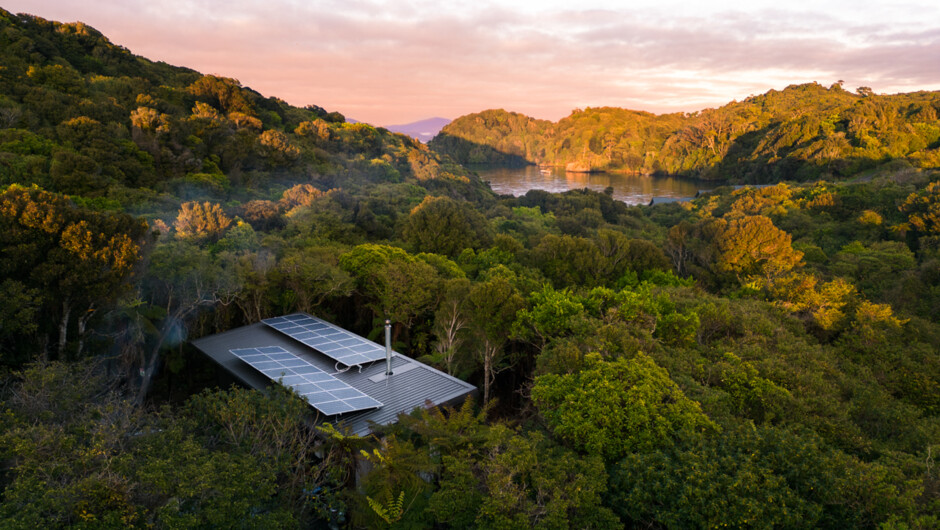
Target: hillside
(82, 116)
(803, 132)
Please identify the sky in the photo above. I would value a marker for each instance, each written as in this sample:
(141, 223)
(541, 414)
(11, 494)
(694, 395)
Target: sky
(389, 62)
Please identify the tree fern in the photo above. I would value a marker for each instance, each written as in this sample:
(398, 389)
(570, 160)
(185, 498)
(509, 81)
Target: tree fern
(392, 510)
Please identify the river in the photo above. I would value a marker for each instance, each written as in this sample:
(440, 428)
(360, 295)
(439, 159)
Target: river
(627, 188)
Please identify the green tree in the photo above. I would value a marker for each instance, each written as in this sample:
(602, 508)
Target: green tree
(182, 280)
(521, 481)
(395, 489)
(78, 259)
(82, 455)
(312, 276)
(746, 477)
(752, 245)
(450, 324)
(223, 93)
(398, 285)
(569, 261)
(444, 226)
(550, 314)
(491, 307)
(819, 303)
(277, 147)
(493, 476)
(923, 209)
(611, 408)
(18, 317)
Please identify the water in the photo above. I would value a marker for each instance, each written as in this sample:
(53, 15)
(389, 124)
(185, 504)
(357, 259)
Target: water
(627, 188)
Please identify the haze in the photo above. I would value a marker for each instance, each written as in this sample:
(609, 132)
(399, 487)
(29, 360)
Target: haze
(388, 62)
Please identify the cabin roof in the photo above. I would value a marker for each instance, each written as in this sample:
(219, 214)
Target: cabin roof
(412, 384)
(666, 200)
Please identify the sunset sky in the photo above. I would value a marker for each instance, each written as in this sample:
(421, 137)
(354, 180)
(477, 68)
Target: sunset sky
(389, 62)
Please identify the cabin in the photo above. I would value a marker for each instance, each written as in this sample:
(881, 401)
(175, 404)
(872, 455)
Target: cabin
(348, 380)
(666, 200)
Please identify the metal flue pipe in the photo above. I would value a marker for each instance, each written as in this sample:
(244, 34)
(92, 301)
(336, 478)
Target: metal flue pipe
(388, 347)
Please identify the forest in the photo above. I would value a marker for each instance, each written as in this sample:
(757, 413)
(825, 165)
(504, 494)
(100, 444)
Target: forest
(802, 133)
(756, 357)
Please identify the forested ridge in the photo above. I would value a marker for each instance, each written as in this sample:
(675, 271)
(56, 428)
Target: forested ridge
(804, 132)
(756, 357)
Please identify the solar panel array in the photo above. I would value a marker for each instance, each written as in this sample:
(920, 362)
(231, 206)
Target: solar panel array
(324, 392)
(334, 342)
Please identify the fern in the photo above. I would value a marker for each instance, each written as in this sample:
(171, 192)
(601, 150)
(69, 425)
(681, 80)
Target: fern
(392, 510)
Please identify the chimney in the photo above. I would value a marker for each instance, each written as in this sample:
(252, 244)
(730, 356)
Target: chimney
(388, 347)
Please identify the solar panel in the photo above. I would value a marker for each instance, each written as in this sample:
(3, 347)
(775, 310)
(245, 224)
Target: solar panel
(324, 392)
(328, 339)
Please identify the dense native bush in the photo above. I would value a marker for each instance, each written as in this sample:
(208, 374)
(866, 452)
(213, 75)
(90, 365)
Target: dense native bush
(754, 357)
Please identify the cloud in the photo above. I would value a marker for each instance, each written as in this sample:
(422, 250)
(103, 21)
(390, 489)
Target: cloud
(394, 62)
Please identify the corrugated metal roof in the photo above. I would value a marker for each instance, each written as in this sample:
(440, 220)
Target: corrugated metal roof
(417, 384)
(666, 200)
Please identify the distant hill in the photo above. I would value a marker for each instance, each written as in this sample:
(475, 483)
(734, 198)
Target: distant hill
(422, 130)
(803, 132)
(82, 116)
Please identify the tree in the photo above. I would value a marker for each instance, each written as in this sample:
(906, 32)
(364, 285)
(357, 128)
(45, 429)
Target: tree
(762, 201)
(615, 247)
(82, 455)
(680, 245)
(398, 285)
(300, 195)
(923, 209)
(395, 487)
(754, 476)
(269, 428)
(312, 276)
(569, 261)
(611, 408)
(875, 268)
(521, 481)
(872, 325)
(645, 256)
(223, 93)
(819, 303)
(752, 245)
(550, 314)
(201, 220)
(317, 129)
(444, 226)
(261, 214)
(77, 258)
(254, 272)
(494, 476)
(449, 321)
(18, 317)
(182, 280)
(491, 307)
(277, 147)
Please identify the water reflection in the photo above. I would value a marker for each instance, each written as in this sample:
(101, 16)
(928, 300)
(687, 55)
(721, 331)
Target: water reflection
(627, 188)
